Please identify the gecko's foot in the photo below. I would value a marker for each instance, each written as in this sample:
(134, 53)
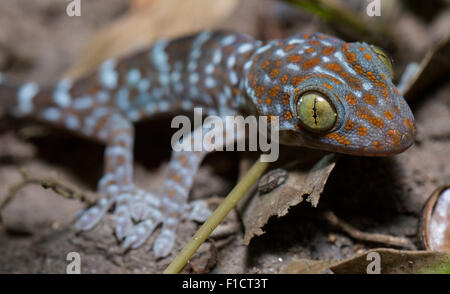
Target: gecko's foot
(165, 241)
(137, 214)
(134, 210)
(90, 217)
(197, 210)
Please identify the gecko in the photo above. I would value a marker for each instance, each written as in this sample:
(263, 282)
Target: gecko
(327, 93)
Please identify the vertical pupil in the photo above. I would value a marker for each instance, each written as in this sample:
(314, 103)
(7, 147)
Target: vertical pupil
(315, 111)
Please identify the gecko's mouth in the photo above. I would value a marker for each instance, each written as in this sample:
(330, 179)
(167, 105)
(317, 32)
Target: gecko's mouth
(388, 147)
(391, 144)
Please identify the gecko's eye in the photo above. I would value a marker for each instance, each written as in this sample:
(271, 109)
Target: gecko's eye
(385, 58)
(315, 112)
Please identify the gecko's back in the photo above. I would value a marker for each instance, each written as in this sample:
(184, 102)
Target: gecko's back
(201, 70)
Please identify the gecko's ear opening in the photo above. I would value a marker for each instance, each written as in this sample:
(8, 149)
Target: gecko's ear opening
(315, 112)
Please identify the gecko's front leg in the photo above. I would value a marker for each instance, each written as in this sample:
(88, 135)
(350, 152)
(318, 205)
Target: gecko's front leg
(137, 212)
(182, 169)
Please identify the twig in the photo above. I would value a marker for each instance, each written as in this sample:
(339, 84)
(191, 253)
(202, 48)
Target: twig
(216, 217)
(47, 183)
(333, 220)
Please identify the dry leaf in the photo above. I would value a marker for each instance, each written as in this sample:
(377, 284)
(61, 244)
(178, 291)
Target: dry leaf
(396, 262)
(305, 181)
(139, 28)
(434, 227)
(391, 262)
(308, 266)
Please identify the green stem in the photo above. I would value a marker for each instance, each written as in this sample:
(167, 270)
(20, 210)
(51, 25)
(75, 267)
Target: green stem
(216, 217)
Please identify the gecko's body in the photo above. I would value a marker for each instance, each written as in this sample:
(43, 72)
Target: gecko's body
(226, 74)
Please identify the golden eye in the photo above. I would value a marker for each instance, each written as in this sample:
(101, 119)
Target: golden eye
(315, 112)
(385, 58)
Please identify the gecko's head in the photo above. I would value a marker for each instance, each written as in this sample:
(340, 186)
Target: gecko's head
(331, 95)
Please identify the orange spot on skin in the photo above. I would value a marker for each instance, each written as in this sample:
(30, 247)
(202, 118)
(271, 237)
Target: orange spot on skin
(322, 37)
(268, 101)
(351, 58)
(334, 80)
(334, 67)
(298, 80)
(388, 114)
(333, 136)
(310, 50)
(259, 90)
(349, 125)
(370, 99)
(182, 160)
(328, 86)
(409, 123)
(284, 79)
(171, 193)
(274, 73)
(328, 50)
(368, 56)
(351, 99)
(377, 145)
(361, 48)
(340, 139)
(177, 178)
(366, 114)
(285, 98)
(274, 91)
(121, 159)
(353, 82)
(311, 63)
(393, 137)
(289, 47)
(265, 64)
(294, 58)
(362, 131)
(314, 42)
(306, 36)
(287, 115)
(277, 63)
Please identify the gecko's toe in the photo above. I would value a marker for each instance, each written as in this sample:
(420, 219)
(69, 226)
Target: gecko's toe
(142, 205)
(138, 209)
(199, 211)
(164, 243)
(123, 221)
(139, 234)
(93, 215)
